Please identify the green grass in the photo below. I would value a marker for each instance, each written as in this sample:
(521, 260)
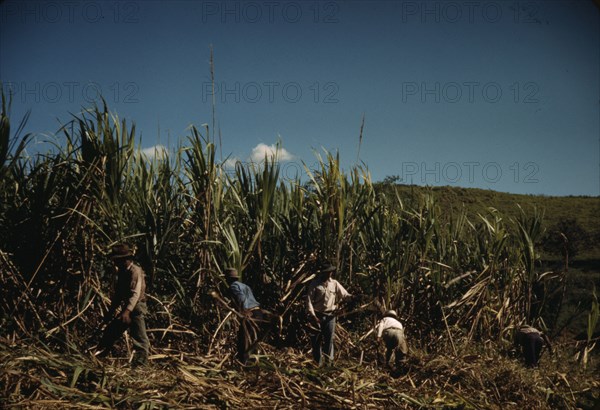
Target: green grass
(584, 209)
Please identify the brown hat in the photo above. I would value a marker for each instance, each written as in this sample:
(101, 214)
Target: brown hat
(121, 251)
(231, 273)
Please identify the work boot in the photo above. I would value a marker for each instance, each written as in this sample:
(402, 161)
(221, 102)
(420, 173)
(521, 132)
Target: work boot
(139, 359)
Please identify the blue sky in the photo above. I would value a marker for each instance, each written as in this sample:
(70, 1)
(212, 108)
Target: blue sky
(498, 95)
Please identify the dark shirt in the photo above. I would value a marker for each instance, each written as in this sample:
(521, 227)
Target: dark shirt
(243, 296)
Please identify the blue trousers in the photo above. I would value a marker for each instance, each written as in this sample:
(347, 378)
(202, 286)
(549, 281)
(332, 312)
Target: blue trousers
(322, 342)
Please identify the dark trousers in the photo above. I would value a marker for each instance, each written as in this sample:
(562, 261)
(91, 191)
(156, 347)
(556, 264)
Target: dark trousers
(395, 343)
(322, 342)
(249, 334)
(137, 331)
(531, 344)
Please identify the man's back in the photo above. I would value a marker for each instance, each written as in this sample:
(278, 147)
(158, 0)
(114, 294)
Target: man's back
(242, 293)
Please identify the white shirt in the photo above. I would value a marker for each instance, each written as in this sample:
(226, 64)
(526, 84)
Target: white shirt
(323, 296)
(387, 323)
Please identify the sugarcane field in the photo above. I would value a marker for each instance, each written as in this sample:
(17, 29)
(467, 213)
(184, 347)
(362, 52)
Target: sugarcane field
(300, 204)
(460, 286)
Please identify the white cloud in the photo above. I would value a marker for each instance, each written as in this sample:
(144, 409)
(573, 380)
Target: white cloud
(230, 163)
(157, 151)
(261, 150)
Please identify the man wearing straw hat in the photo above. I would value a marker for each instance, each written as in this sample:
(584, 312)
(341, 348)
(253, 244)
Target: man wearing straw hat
(391, 330)
(252, 315)
(324, 294)
(130, 299)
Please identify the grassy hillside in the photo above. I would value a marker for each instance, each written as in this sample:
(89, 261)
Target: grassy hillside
(584, 210)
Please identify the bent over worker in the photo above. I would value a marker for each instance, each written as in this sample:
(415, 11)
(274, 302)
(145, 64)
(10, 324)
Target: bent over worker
(392, 332)
(250, 331)
(531, 341)
(324, 294)
(130, 300)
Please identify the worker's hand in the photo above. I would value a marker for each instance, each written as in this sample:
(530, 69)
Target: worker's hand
(108, 317)
(315, 320)
(125, 317)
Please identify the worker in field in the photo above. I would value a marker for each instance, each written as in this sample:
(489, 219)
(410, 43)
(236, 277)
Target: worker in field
(129, 302)
(253, 318)
(391, 331)
(323, 296)
(531, 341)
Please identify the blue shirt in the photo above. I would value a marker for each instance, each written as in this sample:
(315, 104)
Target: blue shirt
(243, 295)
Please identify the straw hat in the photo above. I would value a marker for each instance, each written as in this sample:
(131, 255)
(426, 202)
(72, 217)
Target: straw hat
(391, 313)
